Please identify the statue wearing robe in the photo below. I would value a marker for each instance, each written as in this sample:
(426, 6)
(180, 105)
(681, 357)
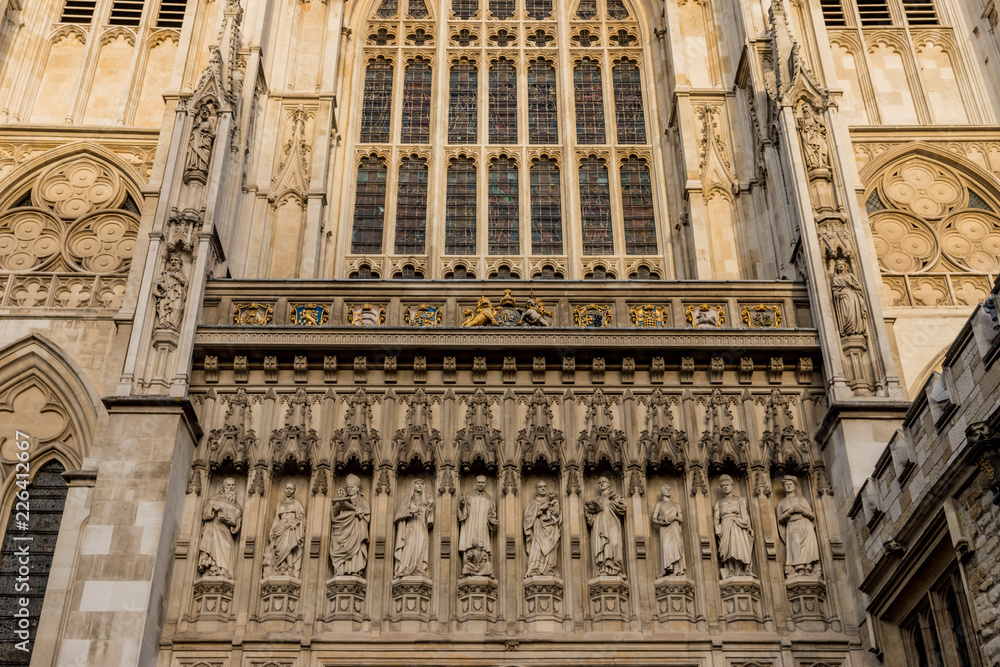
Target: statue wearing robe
(349, 534)
(801, 546)
(732, 527)
(667, 515)
(221, 521)
(283, 555)
(414, 516)
(606, 530)
(542, 520)
(477, 515)
(848, 301)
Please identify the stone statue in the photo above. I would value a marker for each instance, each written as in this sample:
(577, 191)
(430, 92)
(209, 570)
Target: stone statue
(801, 547)
(477, 517)
(349, 535)
(848, 300)
(169, 293)
(667, 515)
(414, 516)
(813, 133)
(476, 561)
(535, 314)
(606, 530)
(202, 139)
(484, 316)
(283, 554)
(542, 520)
(732, 528)
(221, 521)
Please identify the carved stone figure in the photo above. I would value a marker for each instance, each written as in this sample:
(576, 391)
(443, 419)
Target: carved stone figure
(667, 515)
(203, 135)
(535, 314)
(813, 133)
(801, 547)
(484, 316)
(848, 300)
(606, 530)
(170, 292)
(477, 516)
(283, 554)
(221, 521)
(414, 516)
(542, 520)
(349, 534)
(476, 561)
(732, 528)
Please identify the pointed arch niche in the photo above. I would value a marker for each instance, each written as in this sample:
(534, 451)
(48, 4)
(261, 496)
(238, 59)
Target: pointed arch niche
(511, 103)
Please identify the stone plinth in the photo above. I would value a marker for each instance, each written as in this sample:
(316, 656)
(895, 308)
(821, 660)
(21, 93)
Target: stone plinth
(674, 599)
(477, 599)
(411, 601)
(345, 597)
(609, 599)
(740, 599)
(213, 599)
(279, 599)
(807, 602)
(543, 597)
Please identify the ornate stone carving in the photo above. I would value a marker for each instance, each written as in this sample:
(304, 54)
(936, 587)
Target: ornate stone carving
(661, 445)
(649, 317)
(252, 314)
(484, 315)
(535, 314)
(422, 316)
(592, 315)
(417, 442)
(351, 514)
(674, 599)
(356, 441)
(213, 599)
(812, 132)
(309, 315)
(478, 443)
(366, 315)
(668, 517)
(234, 442)
(286, 537)
(538, 442)
(170, 293)
(705, 316)
(542, 522)
(796, 518)
(787, 448)
(601, 442)
(182, 230)
(203, 133)
(477, 516)
(734, 532)
(606, 530)
(294, 443)
(221, 520)
(849, 301)
(414, 516)
(725, 444)
(762, 317)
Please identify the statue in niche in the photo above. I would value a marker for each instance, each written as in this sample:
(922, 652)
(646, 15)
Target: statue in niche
(848, 300)
(349, 534)
(203, 134)
(221, 520)
(813, 133)
(606, 530)
(477, 516)
(542, 521)
(732, 528)
(534, 314)
(169, 293)
(283, 554)
(667, 515)
(476, 561)
(801, 546)
(414, 516)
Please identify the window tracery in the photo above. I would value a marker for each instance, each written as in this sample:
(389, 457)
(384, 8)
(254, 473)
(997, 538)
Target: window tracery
(503, 207)
(369, 206)
(411, 206)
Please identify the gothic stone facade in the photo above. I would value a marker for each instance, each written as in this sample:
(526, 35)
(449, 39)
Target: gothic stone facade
(282, 279)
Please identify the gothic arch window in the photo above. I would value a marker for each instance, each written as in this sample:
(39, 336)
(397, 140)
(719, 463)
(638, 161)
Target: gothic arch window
(936, 233)
(544, 137)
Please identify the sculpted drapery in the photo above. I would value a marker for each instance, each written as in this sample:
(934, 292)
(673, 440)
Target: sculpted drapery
(414, 516)
(477, 516)
(221, 521)
(606, 530)
(283, 556)
(801, 546)
(849, 300)
(732, 528)
(542, 520)
(667, 515)
(349, 538)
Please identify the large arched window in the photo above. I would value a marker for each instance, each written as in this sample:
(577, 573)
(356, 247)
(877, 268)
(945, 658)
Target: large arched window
(538, 136)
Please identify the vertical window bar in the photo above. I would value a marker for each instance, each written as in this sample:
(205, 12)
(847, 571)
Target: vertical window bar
(464, 9)
(502, 9)
(463, 106)
(417, 102)
(595, 207)
(546, 209)
(460, 208)
(637, 207)
(369, 207)
(589, 103)
(628, 103)
(411, 206)
(171, 14)
(543, 122)
(616, 10)
(504, 213)
(503, 102)
(377, 111)
(538, 10)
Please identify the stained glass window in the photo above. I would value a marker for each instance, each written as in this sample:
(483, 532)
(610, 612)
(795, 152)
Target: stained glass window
(587, 9)
(503, 102)
(369, 207)
(538, 9)
(462, 115)
(460, 213)
(546, 209)
(589, 102)
(387, 9)
(411, 206)
(637, 207)
(616, 10)
(377, 112)
(418, 9)
(595, 207)
(503, 207)
(628, 103)
(464, 9)
(417, 102)
(543, 124)
(502, 9)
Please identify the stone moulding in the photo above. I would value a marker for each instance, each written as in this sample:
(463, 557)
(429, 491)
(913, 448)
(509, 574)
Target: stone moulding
(411, 599)
(543, 597)
(346, 598)
(477, 599)
(740, 599)
(280, 599)
(609, 599)
(213, 599)
(674, 599)
(807, 600)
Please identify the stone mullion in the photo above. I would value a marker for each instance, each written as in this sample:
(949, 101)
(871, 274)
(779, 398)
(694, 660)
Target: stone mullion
(379, 602)
(444, 570)
(840, 593)
(565, 102)
(767, 542)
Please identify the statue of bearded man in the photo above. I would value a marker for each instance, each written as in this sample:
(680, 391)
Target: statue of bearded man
(221, 521)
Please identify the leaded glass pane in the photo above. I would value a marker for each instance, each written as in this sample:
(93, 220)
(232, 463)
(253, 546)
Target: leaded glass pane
(387, 9)
(462, 109)
(503, 103)
(546, 210)
(369, 207)
(616, 10)
(377, 112)
(460, 208)
(502, 9)
(587, 9)
(637, 207)
(628, 103)
(538, 9)
(543, 123)
(503, 207)
(595, 207)
(417, 102)
(464, 9)
(411, 206)
(418, 9)
(589, 103)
